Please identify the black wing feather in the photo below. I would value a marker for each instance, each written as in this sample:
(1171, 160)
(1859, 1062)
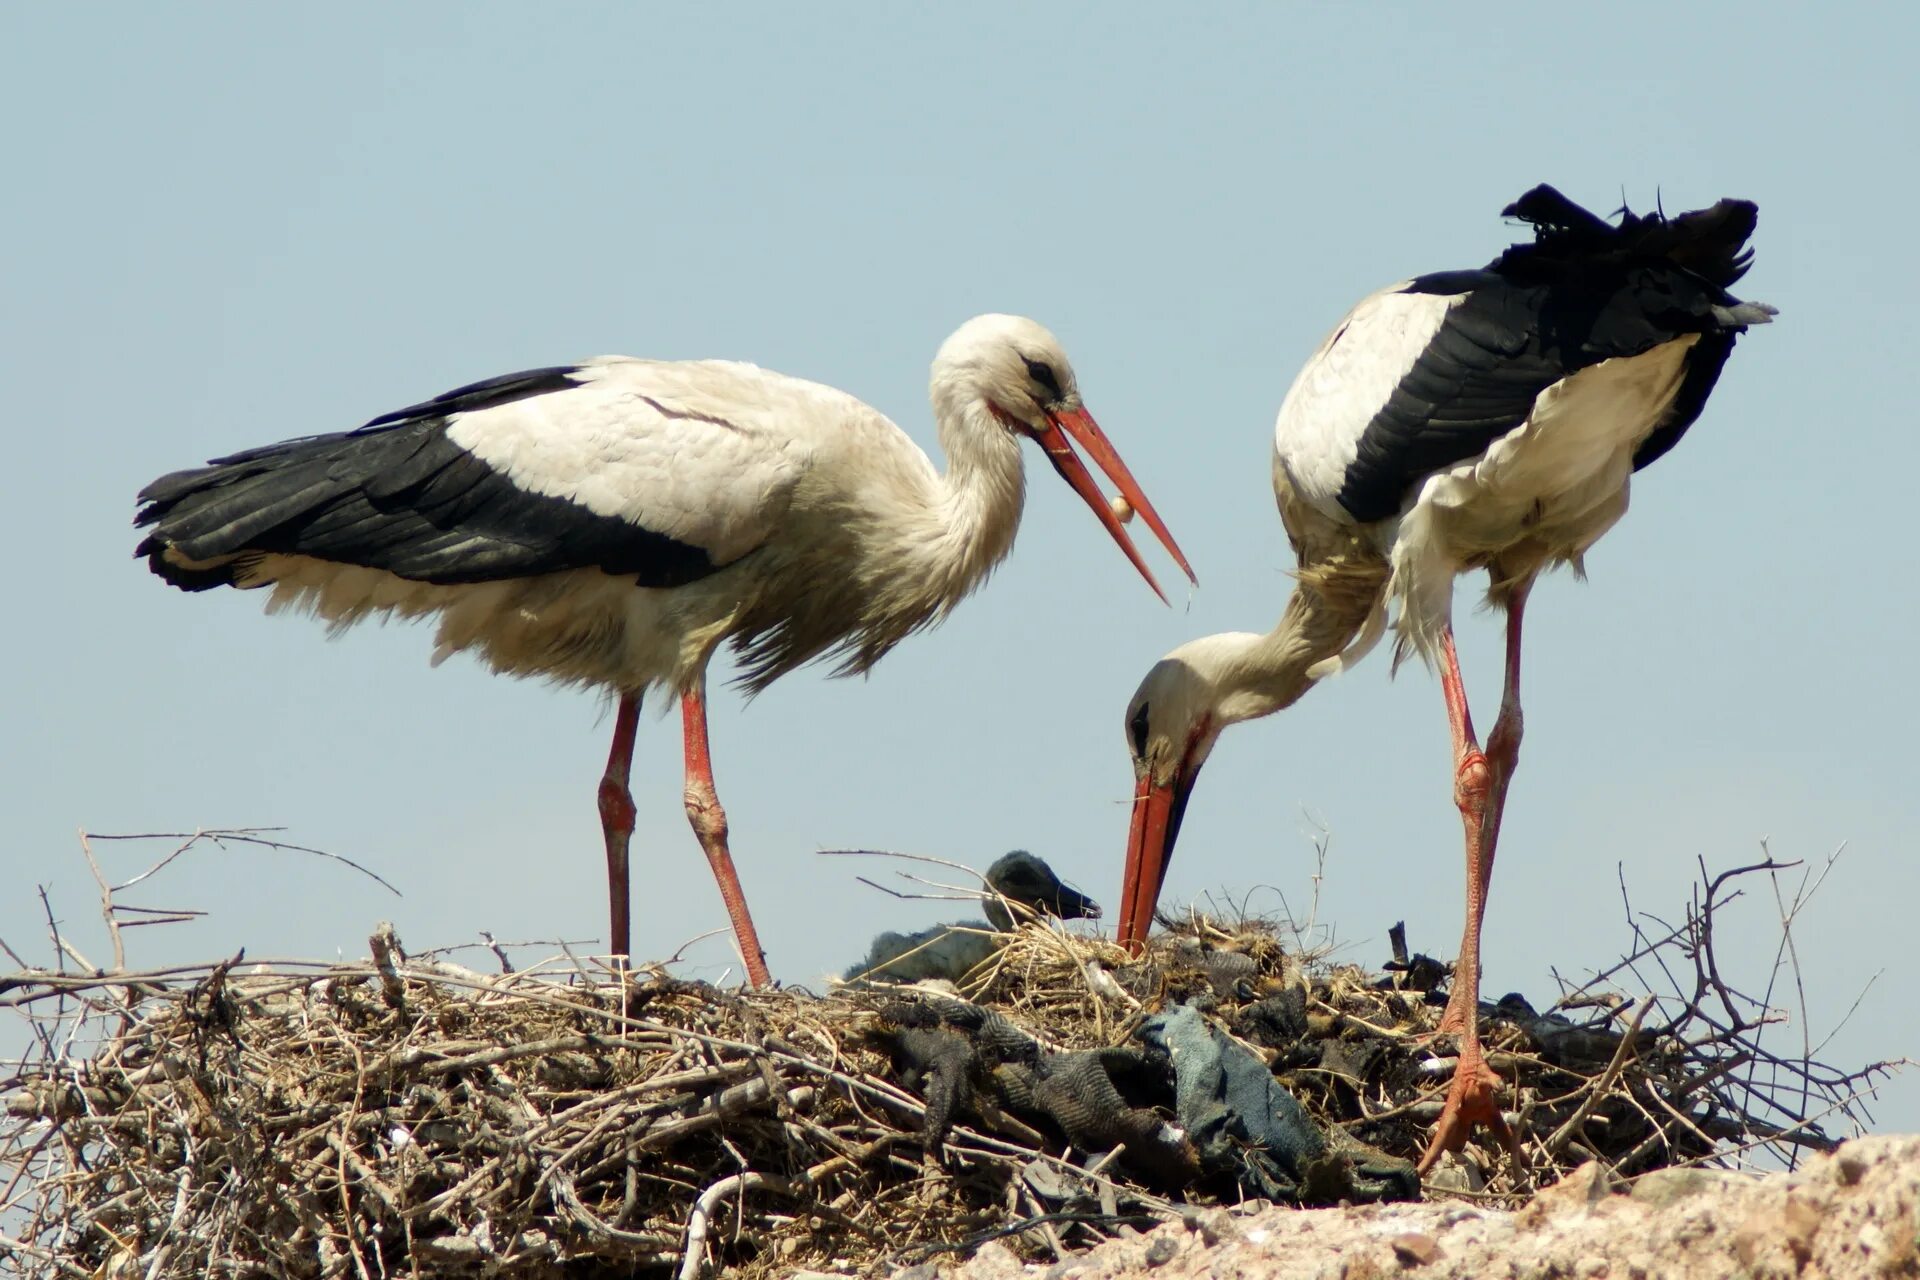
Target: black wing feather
(1583, 291)
(397, 494)
(1704, 363)
(487, 393)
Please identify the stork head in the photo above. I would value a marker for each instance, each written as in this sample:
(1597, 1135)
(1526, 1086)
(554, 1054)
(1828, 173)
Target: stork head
(1015, 369)
(1021, 877)
(1174, 719)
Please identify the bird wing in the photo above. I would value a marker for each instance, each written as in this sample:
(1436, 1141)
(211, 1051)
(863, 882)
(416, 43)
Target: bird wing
(1432, 371)
(633, 467)
(1474, 378)
(705, 452)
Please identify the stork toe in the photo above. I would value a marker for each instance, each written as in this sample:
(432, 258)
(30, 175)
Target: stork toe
(1472, 1100)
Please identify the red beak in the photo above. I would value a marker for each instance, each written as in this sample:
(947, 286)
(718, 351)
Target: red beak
(1079, 424)
(1157, 811)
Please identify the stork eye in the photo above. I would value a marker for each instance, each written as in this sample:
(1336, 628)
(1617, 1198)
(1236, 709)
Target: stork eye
(1137, 732)
(1042, 372)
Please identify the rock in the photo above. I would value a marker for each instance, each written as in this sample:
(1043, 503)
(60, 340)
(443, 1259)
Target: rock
(1455, 1174)
(1664, 1186)
(1582, 1189)
(1161, 1252)
(1587, 1185)
(1853, 1214)
(1215, 1226)
(1757, 1244)
(1799, 1227)
(994, 1261)
(1364, 1267)
(1415, 1248)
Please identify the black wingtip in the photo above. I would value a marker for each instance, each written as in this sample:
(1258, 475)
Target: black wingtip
(1548, 210)
(154, 552)
(1709, 242)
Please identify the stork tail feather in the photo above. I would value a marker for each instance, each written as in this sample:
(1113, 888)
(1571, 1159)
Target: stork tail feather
(1709, 242)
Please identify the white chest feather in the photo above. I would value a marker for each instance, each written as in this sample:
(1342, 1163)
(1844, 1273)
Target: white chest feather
(1343, 385)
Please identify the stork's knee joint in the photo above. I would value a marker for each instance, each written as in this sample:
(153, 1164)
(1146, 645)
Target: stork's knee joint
(704, 812)
(616, 805)
(1503, 744)
(1472, 780)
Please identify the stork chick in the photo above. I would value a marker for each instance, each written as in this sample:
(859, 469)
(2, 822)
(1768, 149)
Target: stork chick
(1016, 882)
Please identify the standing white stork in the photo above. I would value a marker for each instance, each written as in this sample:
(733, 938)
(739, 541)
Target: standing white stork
(610, 523)
(1470, 419)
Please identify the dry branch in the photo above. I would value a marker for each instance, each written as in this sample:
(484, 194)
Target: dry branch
(405, 1116)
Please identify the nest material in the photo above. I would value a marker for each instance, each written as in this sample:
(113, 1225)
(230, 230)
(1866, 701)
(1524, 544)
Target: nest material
(396, 1118)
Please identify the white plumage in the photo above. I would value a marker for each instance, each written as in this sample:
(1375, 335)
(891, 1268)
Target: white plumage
(1537, 496)
(707, 452)
(1485, 419)
(1346, 379)
(610, 523)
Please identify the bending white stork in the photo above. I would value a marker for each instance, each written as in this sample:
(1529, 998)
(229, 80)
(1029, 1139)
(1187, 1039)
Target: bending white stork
(1471, 419)
(610, 523)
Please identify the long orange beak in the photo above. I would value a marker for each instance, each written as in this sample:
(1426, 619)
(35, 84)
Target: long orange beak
(1079, 424)
(1157, 811)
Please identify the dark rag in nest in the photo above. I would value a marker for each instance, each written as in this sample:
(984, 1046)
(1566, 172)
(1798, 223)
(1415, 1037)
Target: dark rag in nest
(1243, 1121)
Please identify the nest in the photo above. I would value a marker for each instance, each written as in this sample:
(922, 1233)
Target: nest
(400, 1117)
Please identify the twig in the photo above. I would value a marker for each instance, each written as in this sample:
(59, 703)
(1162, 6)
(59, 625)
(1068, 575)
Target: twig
(387, 955)
(499, 952)
(511, 1116)
(693, 1253)
(1601, 1083)
(223, 836)
(107, 912)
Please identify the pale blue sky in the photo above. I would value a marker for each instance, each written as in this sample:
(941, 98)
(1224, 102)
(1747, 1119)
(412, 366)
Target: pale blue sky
(230, 225)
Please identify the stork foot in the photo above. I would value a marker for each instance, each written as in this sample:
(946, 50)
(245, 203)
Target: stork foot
(1472, 1100)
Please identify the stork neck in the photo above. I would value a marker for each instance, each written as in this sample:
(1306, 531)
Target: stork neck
(976, 511)
(1259, 675)
(1262, 674)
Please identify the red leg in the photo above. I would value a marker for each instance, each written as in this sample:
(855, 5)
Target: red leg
(710, 825)
(1503, 744)
(1471, 786)
(1480, 791)
(616, 818)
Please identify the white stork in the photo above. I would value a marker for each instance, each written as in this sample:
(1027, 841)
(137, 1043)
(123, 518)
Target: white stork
(1471, 419)
(610, 523)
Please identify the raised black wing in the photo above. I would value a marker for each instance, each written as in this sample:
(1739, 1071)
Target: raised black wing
(1582, 292)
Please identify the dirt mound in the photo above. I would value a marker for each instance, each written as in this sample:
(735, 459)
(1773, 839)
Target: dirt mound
(1850, 1215)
